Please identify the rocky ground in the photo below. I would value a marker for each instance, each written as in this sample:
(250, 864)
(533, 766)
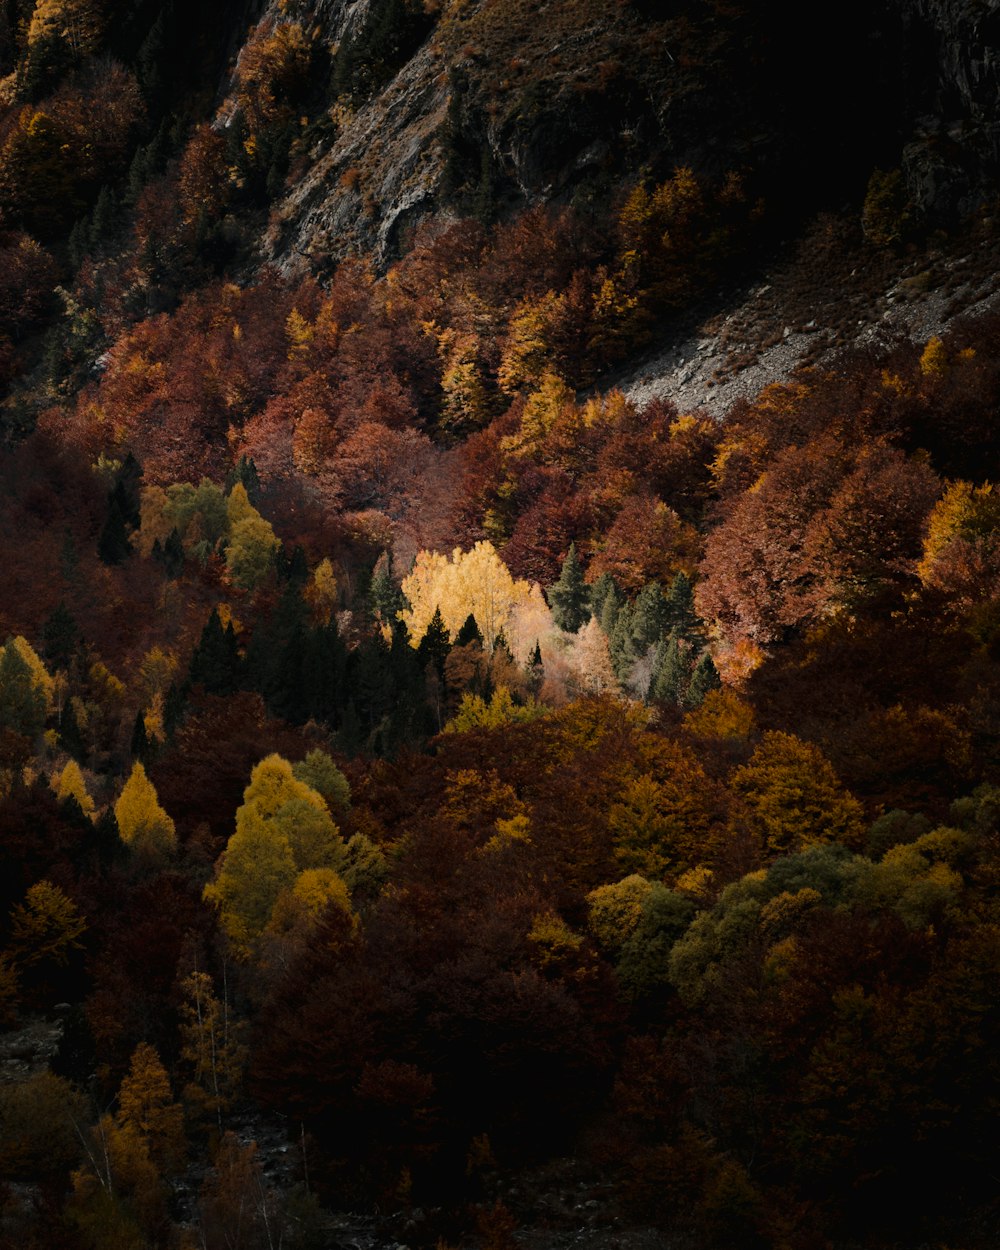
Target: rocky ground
(810, 308)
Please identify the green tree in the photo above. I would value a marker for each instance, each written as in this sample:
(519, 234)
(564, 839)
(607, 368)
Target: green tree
(569, 598)
(22, 698)
(704, 679)
(652, 617)
(320, 773)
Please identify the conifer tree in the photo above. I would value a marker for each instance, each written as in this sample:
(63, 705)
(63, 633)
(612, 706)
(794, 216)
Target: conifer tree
(386, 597)
(469, 633)
(61, 635)
(600, 591)
(536, 670)
(245, 472)
(652, 615)
(610, 608)
(434, 646)
(143, 825)
(704, 678)
(621, 645)
(22, 700)
(681, 616)
(139, 748)
(113, 546)
(670, 672)
(146, 1105)
(215, 663)
(569, 598)
(70, 784)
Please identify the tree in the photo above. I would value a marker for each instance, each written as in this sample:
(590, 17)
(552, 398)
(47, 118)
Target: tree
(113, 545)
(320, 773)
(46, 927)
(70, 784)
(282, 828)
(22, 697)
(475, 582)
(211, 1049)
(569, 597)
(652, 619)
(792, 798)
(142, 823)
(146, 1105)
(704, 679)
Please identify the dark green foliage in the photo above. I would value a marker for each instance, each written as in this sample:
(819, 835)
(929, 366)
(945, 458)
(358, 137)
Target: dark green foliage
(600, 591)
(469, 633)
(671, 672)
(139, 748)
(245, 472)
(652, 616)
(215, 663)
(22, 703)
(61, 636)
(385, 596)
(70, 737)
(569, 598)
(113, 545)
(681, 616)
(536, 671)
(704, 678)
(610, 608)
(621, 644)
(435, 645)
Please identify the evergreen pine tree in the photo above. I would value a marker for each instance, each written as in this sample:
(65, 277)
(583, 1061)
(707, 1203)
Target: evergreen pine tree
(140, 742)
(435, 645)
(610, 609)
(469, 633)
(386, 597)
(570, 596)
(681, 616)
(173, 554)
(621, 645)
(215, 662)
(70, 737)
(604, 587)
(536, 670)
(652, 615)
(704, 679)
(113, 546)
(671, 672)
(61, 636)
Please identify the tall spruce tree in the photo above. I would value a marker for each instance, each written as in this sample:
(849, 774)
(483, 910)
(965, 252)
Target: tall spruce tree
(569, 598)
(652, 616)
(704, 679)
(681, 616)
(671, 672)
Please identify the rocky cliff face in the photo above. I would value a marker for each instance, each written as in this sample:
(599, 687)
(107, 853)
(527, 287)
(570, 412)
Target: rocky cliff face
(497, 106)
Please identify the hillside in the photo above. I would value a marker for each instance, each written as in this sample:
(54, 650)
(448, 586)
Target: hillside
(499, 625)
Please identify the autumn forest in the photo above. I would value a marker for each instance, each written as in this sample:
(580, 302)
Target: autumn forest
(452, 795)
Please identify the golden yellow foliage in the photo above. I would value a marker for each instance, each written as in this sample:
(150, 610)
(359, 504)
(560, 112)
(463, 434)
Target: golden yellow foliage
(142, 822)
(476, 582)
(70, 784)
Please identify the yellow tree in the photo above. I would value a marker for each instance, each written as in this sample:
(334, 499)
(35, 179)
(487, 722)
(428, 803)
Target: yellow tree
(212, 1050)
(146, 1104)
(282, 828)
(70, 784)
(793, 799)
(475, 582)
(46, 926)
(142, 823)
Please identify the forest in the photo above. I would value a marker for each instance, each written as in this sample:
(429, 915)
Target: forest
(425, 765)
